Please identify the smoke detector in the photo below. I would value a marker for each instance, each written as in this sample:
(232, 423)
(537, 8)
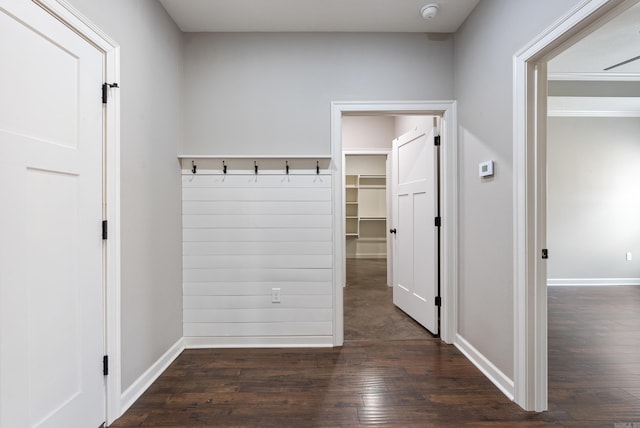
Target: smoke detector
(429, 11)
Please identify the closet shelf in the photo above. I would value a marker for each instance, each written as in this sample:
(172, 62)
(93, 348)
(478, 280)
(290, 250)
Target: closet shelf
(365, 197)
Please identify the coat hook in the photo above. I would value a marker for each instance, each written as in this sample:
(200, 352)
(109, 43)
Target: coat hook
(287, 166)
(224, 168)
(318, 167)
(194, 167)
(255, 167)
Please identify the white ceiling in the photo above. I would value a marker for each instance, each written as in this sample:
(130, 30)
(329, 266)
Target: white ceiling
(615, 42)
(314, 15)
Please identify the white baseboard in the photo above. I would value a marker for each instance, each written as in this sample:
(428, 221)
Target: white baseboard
(137, 388)
(589, 282)
(498, 378)
(259, 342)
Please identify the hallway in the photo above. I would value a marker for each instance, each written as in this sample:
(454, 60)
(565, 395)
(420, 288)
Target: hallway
(369, 312)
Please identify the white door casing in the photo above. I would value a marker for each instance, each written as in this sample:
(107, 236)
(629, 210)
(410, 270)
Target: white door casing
(529, 159)
(415, 234)
(447, 110)
(51, 255)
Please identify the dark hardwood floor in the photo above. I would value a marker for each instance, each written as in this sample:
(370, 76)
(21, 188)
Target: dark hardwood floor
(594, 354)
(594, 370)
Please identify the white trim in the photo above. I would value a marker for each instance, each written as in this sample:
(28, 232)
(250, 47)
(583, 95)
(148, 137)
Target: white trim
(259, 342)
(77, 21)
(113, 294)
(67, 14)
(250, 172)
(449, 207)
(364, 151)
(499, 379)
(530, 307)
(594, 106)
(140, 385)
(257, 157)
(591, 282)
(595, 77)
(339, 220)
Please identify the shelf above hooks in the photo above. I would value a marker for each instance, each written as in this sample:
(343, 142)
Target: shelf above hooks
(256, 157)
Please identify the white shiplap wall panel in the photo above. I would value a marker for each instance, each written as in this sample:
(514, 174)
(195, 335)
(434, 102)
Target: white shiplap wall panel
(255, 207)
(255, 194)
(246, 234)
(256, 288)
(240, 329)
(256, 315)
(240, 221)
(256, 302)
(257, 235)
(257, 261)
(250, 248)
(251, 274)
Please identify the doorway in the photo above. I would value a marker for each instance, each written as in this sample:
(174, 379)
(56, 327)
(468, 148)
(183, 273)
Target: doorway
(369, 310)
(530, 198)
(446, 110)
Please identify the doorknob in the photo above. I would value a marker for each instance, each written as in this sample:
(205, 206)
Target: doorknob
(393, 230)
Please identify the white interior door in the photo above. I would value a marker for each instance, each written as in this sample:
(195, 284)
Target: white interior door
(51, 280)
(415, 233)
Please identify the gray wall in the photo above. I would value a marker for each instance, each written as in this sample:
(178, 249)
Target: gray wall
(255, 94)
(151, 77)
(484, 49)
(593, 197)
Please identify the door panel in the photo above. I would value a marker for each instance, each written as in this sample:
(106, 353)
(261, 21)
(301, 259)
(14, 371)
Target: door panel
(405, 246)
(51, 281)
(415, 207)
(424, 261)
(53, 295)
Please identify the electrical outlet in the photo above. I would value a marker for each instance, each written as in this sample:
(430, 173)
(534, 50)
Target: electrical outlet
(275, 295)
(629, 257)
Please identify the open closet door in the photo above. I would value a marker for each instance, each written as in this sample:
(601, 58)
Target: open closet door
(414, 231)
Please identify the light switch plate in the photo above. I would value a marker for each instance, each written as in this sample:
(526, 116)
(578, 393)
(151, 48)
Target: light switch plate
(485, 169)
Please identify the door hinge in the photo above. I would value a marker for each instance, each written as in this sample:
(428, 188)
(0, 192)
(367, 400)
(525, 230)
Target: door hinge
(436, 140)
(105, 365)
(105, 90)
(545, 253)
(438, 301)
(438, 221)
(105, 229)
